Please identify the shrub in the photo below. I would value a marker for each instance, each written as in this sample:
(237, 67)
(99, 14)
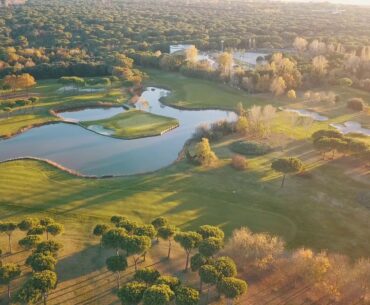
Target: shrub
(22, 102)
(291, 94)
(239, 162)
(356, 104)
(250, 148)
(345, 82)
(204, 154)
(33, 99)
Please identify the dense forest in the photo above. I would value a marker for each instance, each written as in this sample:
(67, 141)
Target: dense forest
(80, 37)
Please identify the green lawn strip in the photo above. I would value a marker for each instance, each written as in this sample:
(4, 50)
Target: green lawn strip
(319, 212)
(135, 124)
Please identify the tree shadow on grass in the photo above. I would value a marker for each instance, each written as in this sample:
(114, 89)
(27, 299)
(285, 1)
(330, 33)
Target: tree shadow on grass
(82, 263)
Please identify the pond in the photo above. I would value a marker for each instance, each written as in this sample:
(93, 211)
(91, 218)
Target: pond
(92, 154)
(308, 113)
(90, 114)
(351, 127)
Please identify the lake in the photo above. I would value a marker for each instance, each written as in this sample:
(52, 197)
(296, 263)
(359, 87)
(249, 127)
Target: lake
(92, 154)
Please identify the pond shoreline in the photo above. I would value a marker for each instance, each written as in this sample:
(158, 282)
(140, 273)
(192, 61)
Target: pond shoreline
(75, 144)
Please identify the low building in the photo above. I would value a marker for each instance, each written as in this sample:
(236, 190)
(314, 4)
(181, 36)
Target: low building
(180, 47)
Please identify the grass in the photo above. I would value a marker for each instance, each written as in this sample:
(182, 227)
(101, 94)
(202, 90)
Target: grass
(135, 124)
(189, 92)
(322, 210)
(51, 98)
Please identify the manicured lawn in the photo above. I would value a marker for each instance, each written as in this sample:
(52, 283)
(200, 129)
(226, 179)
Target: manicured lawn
(325, 209)
(135, 124)
(52, 98)
(322, 211)
(197, 93)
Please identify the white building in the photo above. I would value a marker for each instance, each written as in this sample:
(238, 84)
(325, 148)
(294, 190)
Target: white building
(180, 47)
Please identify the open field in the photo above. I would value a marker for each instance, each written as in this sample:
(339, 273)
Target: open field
(325, 209)
(135, 124)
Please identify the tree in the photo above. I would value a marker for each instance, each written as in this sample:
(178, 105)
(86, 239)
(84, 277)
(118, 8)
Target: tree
(26, 81)
(117, 264)
(28, 223)
(54, 229)
(286, 166)
(29, 242)
(116, 219)
(191, 54)
(8, 228)
(278, 86)
(198, 260)
(49, 247)
(23, 81)
(319, 65)
(300, 44)
(208, 231)
(187, 296)
(158, 295)
(208, 274)
(204, 154)
(310, 266)
(173, 282)
(145, 230)
(128, 225)
(40, 262)
(232, 288)
(46, 221)
(132, 293)
(225, 61)
(9, 272)
(188, 241)
(37, 230)
(242, 125)
(147, 275)
(100, 230)
(292, 94)
(259, 249)
(114, 239)
(136, 246)
(160, 222)
(44, 282)
(210, 246)
(225, 266)
(167, 233)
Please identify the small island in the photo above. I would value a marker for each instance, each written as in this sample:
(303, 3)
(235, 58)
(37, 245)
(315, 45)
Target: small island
(133, 124)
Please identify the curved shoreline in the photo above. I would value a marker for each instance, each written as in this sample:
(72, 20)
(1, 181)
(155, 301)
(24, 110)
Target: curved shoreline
(59, 119)
(77, 174)
(54, 112)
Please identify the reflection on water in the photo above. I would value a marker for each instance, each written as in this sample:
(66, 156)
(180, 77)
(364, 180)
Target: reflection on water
(93, 154)
(351, 127)
(308, 113)
(90, 114)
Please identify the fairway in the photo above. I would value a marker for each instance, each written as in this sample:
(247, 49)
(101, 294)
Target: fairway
(302, 212)
(195, 93)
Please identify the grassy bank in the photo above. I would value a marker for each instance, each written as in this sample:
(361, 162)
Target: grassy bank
(190, 92)
(135, 124)
(53, 97)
